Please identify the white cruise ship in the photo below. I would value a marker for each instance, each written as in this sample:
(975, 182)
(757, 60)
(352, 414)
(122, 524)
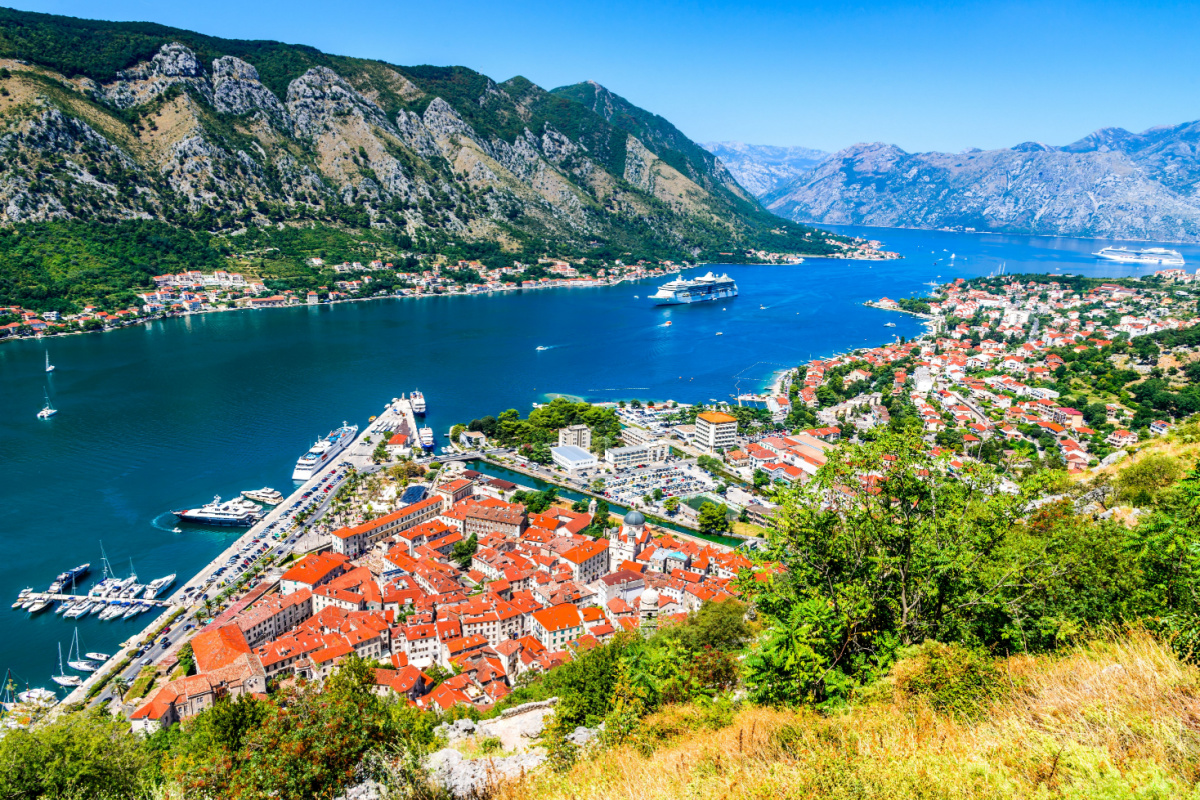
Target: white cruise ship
(231, 513)
(1150, 255)
(324, 452)
(418, 402)
(698, 290)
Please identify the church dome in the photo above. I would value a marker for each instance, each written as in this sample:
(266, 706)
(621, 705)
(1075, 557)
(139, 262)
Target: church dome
(634, 518)
(649, 599)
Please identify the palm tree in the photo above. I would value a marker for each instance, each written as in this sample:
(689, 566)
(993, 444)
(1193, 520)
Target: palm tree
(119, 686)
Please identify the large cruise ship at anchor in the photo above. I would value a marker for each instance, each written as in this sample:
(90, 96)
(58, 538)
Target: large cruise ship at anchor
(1150, 255)
(697, 290)
(324, 452)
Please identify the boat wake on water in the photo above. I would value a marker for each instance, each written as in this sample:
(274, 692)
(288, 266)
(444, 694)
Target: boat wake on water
(157, 523)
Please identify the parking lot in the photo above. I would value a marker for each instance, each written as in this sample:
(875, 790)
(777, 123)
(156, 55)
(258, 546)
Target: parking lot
(677, 479)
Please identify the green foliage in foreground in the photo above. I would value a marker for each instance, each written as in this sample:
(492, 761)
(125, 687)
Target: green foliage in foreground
(920, 555)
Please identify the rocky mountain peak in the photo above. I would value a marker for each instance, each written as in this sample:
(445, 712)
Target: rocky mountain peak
(175, 60)
(237, 90)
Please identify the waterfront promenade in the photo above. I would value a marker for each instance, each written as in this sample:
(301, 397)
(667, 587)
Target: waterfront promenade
(184, 609)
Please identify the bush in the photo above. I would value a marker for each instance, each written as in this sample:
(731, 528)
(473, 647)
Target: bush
(948, 677)
(1140, 484)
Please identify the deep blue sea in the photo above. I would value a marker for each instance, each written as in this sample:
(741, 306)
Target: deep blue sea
(167, 415)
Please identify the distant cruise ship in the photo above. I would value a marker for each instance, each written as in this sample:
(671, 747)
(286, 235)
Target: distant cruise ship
(324, 451)
(1151, 255)
(698, 290)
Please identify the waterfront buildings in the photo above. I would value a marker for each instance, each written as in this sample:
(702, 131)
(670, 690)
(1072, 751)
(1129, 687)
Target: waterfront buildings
(715, 429)
(637, 454)
(572, 457)
(575, 436)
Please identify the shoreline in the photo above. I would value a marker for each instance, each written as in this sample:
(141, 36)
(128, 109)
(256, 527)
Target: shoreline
(503, 290)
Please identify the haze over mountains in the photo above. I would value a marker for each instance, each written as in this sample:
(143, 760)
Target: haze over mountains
(1111, 184)
(104, 121)
(762, 168)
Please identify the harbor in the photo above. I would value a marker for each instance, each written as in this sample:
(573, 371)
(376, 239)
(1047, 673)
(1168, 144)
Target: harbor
(124, 451)
(292, 525)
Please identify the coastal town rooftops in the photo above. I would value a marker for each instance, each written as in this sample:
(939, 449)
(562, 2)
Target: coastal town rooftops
(367, 527)
(219, 647)
(315, 567)
(558, 618)
(585, 551)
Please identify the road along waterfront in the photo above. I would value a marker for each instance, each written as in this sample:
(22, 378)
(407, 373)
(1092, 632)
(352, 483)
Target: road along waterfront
(168, 414)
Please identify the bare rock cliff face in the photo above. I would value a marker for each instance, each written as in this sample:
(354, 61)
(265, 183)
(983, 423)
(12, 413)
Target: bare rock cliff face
(1112, 184)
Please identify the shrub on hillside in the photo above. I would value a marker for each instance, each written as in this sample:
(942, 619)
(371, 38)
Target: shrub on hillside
(948, 677)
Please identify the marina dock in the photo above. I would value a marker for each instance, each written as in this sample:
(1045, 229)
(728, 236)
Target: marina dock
(187, 601)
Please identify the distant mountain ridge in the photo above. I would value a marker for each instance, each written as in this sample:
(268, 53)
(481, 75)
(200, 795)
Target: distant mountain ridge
(762, 168)
(1111, 183)
(106, 121)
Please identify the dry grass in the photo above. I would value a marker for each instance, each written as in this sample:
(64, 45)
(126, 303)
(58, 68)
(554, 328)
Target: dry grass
(1114, 719)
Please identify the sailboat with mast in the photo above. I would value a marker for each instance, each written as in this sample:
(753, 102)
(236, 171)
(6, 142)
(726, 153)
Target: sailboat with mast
(78, 662)
(49, 366)
(62, 678)
(48, 410)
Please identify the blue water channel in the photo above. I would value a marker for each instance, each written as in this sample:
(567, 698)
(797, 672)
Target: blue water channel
(164, 416)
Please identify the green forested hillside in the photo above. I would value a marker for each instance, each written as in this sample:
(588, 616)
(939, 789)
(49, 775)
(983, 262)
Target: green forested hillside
(112, 122)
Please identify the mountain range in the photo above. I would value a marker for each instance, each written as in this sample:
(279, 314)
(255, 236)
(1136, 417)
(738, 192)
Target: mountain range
(763, 168)
(1110, 184)
(103, 122)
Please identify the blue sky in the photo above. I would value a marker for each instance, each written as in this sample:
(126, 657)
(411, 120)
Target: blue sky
(925, 76)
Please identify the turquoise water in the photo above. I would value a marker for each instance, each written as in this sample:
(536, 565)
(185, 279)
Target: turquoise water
(166, 415)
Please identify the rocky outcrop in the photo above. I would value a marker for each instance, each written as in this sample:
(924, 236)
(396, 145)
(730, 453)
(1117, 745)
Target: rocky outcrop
(224, 142)
(1112, 184)
(466, 778)
(173, 65)
(237, 90)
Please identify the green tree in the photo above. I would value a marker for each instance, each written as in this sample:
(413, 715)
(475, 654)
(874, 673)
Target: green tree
(464, 549)
(78, 755)
(714, 519)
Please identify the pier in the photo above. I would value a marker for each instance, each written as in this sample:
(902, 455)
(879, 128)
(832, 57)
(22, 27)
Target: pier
(182, 611)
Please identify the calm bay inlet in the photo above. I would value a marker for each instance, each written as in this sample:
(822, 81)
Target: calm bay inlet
(166, 415)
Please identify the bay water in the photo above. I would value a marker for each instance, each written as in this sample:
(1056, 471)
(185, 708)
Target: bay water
(167, 415)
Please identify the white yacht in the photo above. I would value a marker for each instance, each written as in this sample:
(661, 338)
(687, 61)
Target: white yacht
(38, 697)
(232, 513)
(40, 605)
(264, 495)
(49, 366)
(156, 586)
(418, 402)
(698, 290)
(425, 435)
(1149, 255)
(324, 451)
(101, 657)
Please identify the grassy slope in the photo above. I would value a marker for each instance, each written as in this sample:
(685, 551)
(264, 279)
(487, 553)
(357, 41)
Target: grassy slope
(1114, 719)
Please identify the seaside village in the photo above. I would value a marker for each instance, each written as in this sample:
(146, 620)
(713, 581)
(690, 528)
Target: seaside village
(195, 292)
(535, 590)
(989, 380)
(449, 629)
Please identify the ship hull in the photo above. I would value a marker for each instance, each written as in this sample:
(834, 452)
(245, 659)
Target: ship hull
(222, 522)
(679, 299)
